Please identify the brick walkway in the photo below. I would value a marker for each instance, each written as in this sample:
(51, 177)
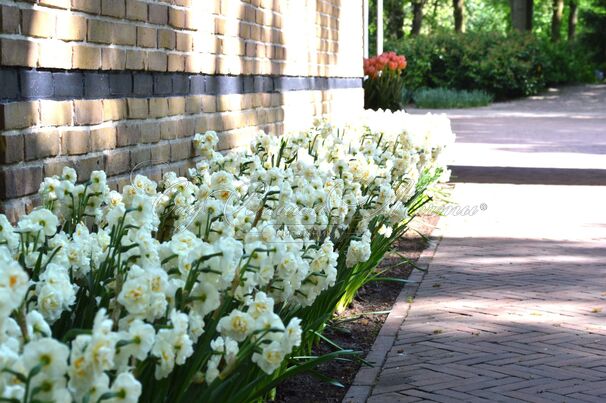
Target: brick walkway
(513, 307)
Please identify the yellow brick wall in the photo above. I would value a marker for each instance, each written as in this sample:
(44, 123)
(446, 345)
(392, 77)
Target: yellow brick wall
(42, 133)
(281, 37)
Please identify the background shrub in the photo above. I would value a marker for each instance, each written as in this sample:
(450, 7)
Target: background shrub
(593, 38)
(505, 66)
(448, 98)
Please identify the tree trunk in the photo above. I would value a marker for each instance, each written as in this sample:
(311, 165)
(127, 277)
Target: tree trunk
(573, 17)
(459, 15)
(529, 14)
(417, 16)
(521, 14)
(395, 18)
(556, 20)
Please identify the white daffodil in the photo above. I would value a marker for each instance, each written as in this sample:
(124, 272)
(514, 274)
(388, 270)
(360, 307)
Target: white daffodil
(47, 354)
(125, 389)
(238, 325)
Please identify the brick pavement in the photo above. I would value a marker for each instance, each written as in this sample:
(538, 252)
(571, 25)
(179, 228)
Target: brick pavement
(513, 306)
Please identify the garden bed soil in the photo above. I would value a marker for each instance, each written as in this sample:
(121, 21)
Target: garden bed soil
(359, 334)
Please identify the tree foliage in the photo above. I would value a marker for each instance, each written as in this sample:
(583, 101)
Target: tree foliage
(593, 21)
(580, 22)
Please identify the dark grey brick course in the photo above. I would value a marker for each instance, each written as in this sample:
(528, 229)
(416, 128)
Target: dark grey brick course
(96, 85)
(180, 84)
(121, 84)
(163, 84)
(197, 85)
(229, 85)
(263, 84)
(248, 84)
(9, 84)
(24, 83)
(36, 84)
(143, 84)
(68, 85)
(210, 85)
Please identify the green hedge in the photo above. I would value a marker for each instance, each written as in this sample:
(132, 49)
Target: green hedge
(445, 98)
(505, 66)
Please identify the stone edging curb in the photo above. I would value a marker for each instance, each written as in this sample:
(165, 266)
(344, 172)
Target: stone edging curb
(363, 383)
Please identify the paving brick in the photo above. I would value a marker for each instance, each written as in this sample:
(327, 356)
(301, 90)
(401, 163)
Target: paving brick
(500, 317)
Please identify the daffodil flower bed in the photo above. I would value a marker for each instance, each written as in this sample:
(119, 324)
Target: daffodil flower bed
(212, 287)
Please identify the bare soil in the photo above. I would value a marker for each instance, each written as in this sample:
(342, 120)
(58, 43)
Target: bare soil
(357, 327)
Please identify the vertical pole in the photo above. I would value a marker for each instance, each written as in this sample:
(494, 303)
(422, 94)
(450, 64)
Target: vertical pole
(379, 27)
(366, 22)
